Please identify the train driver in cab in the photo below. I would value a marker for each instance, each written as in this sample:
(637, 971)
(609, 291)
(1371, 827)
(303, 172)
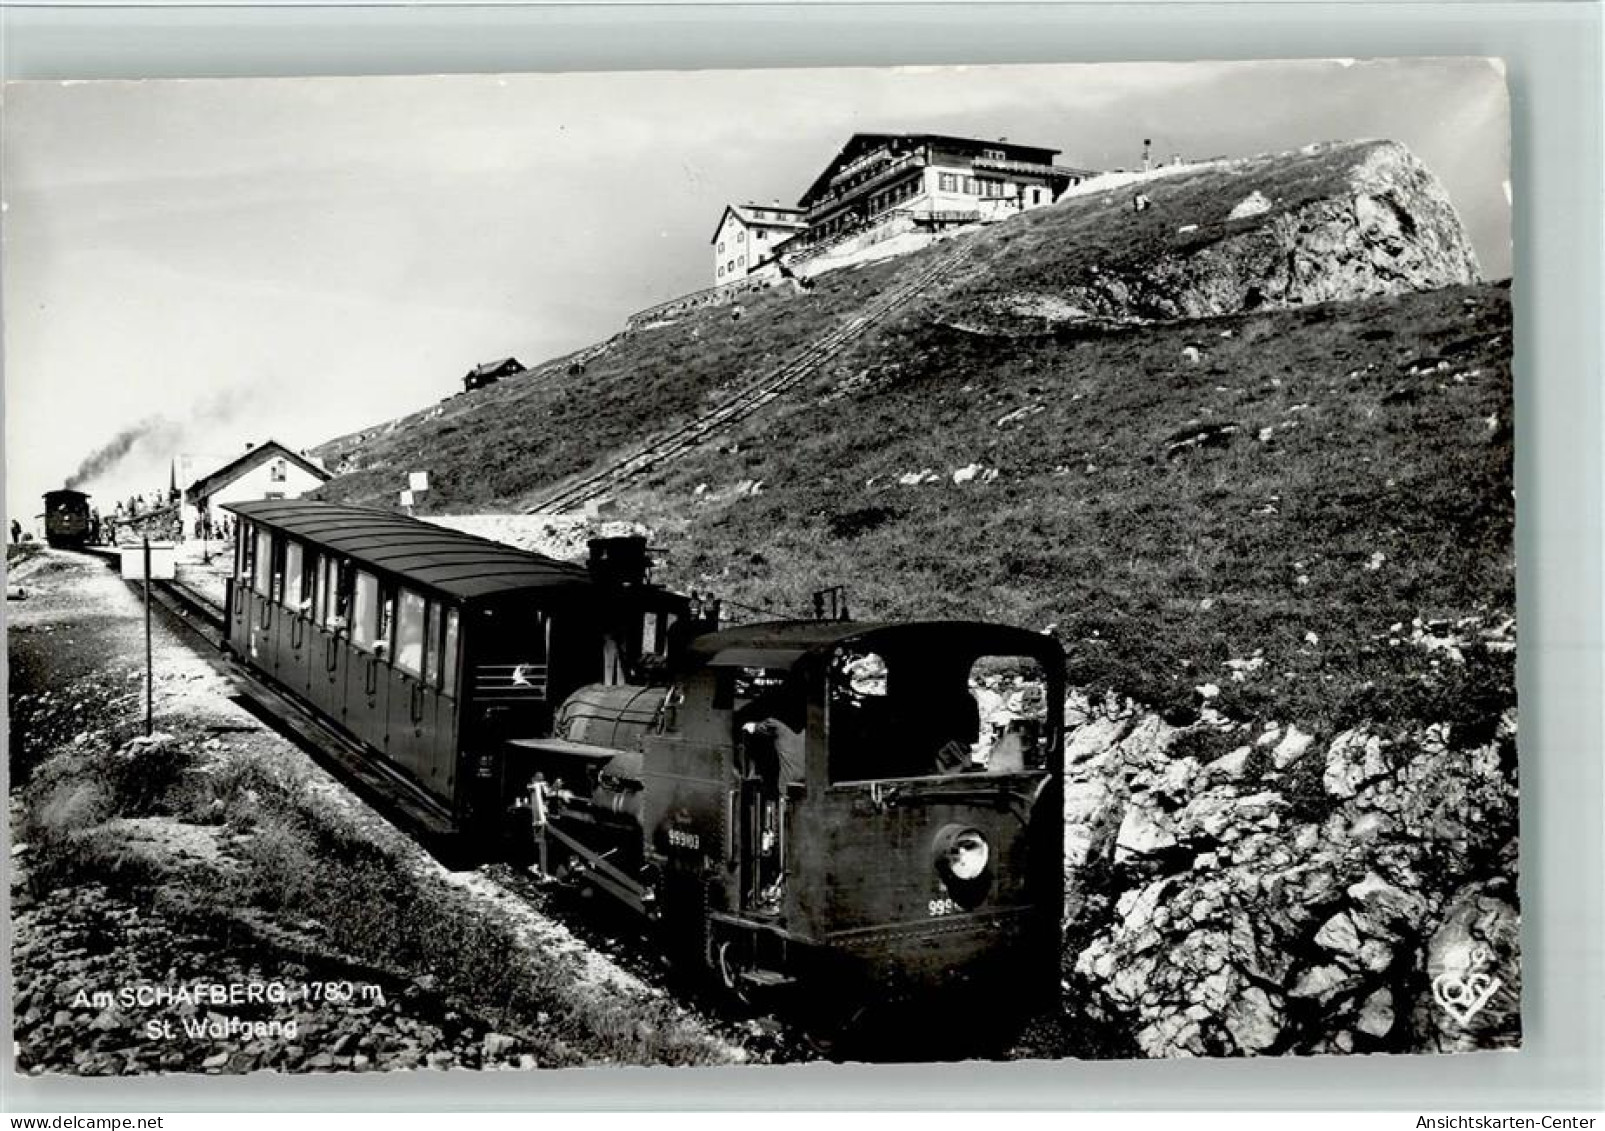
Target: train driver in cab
(770, 735)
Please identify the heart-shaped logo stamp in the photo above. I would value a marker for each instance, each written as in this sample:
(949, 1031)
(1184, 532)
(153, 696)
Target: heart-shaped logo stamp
(1463, 992)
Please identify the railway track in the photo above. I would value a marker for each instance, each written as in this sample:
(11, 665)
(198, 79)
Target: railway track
(744, 402)
(389, 792)
(620, 941)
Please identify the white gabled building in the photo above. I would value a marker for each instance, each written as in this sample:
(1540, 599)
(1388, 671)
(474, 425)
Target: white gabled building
(747, 236)
(263, 471)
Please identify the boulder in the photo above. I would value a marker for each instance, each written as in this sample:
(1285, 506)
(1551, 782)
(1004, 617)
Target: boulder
(1353, 759)
(1291, 748)
(1255, 1020)
(1143, 831)
(1386, 911)
(1375, 1018)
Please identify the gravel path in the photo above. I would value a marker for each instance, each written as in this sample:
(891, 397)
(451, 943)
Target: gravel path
(114, 977)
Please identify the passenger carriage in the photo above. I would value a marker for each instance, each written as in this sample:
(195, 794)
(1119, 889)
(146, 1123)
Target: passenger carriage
(431, 647)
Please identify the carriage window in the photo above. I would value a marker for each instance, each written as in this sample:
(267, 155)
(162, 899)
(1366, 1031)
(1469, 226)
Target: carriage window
(276, 574)
(365, 611)
(328, 582)
(309, 582)
(244, 553)
(345, 594)
(387, 620)
(935, 712)
(432, 645)
(410, 632)
(294, 582)
(448, 655)
(263, 558)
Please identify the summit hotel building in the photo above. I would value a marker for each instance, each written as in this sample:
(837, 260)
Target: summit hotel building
(910, 181)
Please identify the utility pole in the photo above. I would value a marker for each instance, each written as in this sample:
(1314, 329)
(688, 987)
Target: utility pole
(144, 535)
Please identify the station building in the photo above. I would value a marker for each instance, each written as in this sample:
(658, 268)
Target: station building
(263, 471)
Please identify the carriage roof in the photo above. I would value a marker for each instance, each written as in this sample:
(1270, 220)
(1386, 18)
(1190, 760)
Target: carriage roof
(435, 557)
(778, 644)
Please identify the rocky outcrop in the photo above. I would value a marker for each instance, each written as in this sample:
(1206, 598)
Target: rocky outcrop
(1288, 895)
(1328, 223)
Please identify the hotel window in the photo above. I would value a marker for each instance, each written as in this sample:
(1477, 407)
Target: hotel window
(721, 272)
(947, 182)
(731, 266)
(741, 237)
(276, 471)
(721, 247)
(972, 187)
(992, 154)
(763, 235)
(741, 261)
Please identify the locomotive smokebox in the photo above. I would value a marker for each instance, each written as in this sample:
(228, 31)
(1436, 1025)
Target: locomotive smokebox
(620, 560)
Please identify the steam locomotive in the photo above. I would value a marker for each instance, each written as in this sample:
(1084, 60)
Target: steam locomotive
(872, 806)
(67, 519)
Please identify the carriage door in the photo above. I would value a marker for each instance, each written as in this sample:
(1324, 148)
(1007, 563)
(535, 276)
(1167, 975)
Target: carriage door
(368, 681)
(238, 606)
(260, 628)
(328, 657)
(294, 643)
(414, 696)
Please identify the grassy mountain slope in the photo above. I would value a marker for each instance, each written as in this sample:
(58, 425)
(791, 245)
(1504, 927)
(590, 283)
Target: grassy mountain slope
(1316, 478)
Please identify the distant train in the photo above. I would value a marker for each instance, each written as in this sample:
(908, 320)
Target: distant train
(67, 519)
(792, 803)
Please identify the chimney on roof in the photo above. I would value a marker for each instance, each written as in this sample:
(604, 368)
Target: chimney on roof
(249, 445)
(1147, 161)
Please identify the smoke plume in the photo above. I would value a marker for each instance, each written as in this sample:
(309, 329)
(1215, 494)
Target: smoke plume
(115, 450)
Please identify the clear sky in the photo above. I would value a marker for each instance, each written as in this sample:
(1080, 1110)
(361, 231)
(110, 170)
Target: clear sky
(229, 260)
